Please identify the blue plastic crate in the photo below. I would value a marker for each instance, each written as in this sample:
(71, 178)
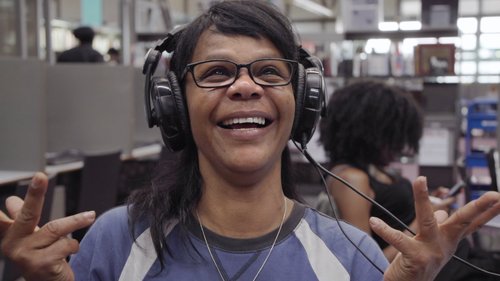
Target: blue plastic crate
(476, 159)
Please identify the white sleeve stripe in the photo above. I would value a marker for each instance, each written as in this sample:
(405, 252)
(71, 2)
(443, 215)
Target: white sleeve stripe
(323, 262)
(141, 258)
(142, 255)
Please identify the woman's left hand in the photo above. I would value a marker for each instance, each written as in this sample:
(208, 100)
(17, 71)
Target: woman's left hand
(421, 257)
(443, 202)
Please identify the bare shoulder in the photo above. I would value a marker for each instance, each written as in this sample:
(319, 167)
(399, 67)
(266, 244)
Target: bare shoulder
(352, 175)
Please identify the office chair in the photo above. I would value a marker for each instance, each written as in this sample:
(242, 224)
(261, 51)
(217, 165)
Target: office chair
(10, 271)
(99, 185)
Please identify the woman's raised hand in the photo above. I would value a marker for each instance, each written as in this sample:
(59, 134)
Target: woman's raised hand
(40, 253)
(421, 257)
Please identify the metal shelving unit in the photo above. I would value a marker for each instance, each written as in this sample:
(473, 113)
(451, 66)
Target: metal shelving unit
(481, 116)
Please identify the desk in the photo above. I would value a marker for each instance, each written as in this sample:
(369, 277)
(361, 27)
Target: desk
(138, 153)
(64, 168)
(7, 177)
(143, 152)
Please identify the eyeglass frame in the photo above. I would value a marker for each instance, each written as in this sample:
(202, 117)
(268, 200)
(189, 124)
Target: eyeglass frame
(190, 67)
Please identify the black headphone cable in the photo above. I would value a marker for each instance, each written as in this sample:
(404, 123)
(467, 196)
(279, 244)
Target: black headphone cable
(336, 217)
(311, 160)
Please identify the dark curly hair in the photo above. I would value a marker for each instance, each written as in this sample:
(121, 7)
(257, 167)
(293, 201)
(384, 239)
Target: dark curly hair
(370, 122)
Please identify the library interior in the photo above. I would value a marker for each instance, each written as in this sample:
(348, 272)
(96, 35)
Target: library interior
(83, 121)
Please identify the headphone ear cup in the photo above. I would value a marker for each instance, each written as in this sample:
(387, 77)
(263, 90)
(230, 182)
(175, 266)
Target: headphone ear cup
(169, 111)
(152, 108)
(163, 99)
(179, 103)
(299, 102)
(148, 69)
(310, 103)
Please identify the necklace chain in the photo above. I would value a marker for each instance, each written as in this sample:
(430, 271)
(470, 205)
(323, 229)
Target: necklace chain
(268, 254)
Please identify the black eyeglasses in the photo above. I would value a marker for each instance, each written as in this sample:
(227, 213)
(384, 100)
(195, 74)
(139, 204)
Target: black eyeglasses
(223, 73)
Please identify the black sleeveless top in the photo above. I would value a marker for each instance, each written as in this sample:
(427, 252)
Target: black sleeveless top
(397, 198)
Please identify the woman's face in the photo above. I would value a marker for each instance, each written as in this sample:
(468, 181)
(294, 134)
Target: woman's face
(225, 145)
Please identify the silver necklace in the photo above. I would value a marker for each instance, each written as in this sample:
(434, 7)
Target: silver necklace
(268, 254)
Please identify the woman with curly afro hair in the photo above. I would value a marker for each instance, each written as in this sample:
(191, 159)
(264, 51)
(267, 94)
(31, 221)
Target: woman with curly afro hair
(370, 124)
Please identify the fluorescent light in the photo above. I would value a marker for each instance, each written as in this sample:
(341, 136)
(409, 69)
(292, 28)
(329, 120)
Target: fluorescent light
(313, 7)
(388, 26)
(410, 25)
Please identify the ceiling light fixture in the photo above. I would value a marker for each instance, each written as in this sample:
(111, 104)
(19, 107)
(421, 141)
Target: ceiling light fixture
(313, 7)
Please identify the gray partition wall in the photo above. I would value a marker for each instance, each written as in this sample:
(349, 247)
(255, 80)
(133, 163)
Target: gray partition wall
(90, 107)
(22, 114)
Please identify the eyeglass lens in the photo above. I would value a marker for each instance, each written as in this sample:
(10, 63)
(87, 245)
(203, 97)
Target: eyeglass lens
(219, 73)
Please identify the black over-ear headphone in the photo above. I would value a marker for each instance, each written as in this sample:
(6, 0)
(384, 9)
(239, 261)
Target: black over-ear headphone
(165, 106)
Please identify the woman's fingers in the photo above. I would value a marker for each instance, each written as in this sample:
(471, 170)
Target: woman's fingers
(442, 204)
(14, 205)
(5, 223)
(54, 230)
(53, 254)
(26, 219)
(423, 255)
(447, 202)
(39, 252)
(47, 263)
(23, 230)
(396, 238)
(62, 248)
(412, 263)
(440, 192)
(473, 215)
(427, 224)
(440, 216)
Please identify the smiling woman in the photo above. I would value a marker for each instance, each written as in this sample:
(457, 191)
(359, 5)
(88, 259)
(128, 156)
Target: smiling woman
(255, 148)
(227, 208)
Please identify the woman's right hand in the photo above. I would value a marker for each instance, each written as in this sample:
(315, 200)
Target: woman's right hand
(40, 253)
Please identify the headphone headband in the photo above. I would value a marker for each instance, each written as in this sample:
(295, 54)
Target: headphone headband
(165, 107)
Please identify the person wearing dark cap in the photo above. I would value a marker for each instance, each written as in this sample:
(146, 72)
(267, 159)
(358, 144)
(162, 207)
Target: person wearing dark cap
(84, 52)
